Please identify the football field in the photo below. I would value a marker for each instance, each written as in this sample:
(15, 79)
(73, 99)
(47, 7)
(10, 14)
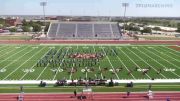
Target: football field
(120, 62)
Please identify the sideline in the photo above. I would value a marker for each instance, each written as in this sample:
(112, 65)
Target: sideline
(68, 81)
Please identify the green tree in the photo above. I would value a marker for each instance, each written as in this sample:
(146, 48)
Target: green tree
(47, 27)
(136, 29)
(40, 23)
(146, 30)
(36, 27)
(178, 27)
(1, 26)
(13, 30)
(31, 23)
(127, 27)
(157, 28)
(132, 27)
(2, 21)
(26, 29)
(6, 25)
(25, 23)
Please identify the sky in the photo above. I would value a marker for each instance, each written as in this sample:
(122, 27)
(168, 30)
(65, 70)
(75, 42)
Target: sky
(91, 7)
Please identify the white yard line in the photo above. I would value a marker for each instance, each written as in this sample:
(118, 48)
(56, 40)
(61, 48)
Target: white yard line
(99, 66)
(8, 52)
(14, 54)
(110, 62)
(160, 63)
(94, 49)
(20, 60)
(60, 65)
(34, 64)
(86, 76)
(153, 59)
(124, 65)
(16, 59)
(165, 60)
(146, 62)
(22, 63)
(173, 54)
(166, 55)
(4, 48)
(98, 45)
(134, 62)
(119, 81)
(45, 68)
(85, 68)
(101, 72)
(70, 77)
(171, 49)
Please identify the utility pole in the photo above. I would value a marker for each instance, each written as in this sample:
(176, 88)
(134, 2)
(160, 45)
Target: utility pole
(44, 4)
(125, 5)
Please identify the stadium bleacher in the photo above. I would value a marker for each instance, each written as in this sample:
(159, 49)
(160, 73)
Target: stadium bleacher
(53, 30)
(66, 30)
(84, 30)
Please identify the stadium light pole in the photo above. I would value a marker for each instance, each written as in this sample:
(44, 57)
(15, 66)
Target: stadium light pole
(43, 4)
(125, 5)
(98, 15)
(110, 16)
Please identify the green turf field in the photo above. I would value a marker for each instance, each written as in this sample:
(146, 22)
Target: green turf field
(19, 62)
(11, 37)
